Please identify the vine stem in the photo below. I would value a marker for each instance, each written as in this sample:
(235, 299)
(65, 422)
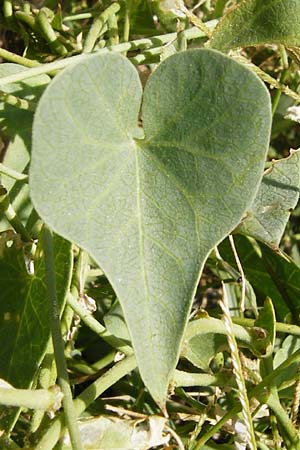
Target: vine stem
(58, 344)
(97, 25)
(282, 417)
(18, 102)
(17, 59)
(126, 30)
(185, 379)
(283, 77)
(40, 399)
(13, 173)
(138, 44)
(118, 371)
(49, 34)
(280, 327)
(11, 216)
(96, 326)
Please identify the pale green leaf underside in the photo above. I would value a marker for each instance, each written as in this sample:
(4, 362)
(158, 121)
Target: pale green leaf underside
(150, 210)
(277, 196)
(257, 22)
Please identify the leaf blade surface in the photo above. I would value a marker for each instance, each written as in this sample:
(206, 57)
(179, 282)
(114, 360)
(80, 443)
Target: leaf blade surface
(253, 22)
(143, 206)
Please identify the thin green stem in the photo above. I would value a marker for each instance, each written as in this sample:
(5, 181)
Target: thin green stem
(26, 7)
(44, 399)
(126, 29)
(18, 102)
(280, 327)
(283, 77)
(90, 394)
(277, 96)
(113, 31)
(49, 34)
(97, 25)
(11, 216)
(13, 173)
(283, 419)
(81, 16)
(17, 59)
(46, 378)
(80, 273)
(7, 9)
(28, 19)
(103, 362)
(95, 326)
(118, 371)
(58, 344)
(144, 43)
(246, 337)
(275, 432)
(8, 13)
(185, 379)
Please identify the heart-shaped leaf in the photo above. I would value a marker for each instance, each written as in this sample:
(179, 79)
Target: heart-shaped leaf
(150, 208)
(256, 22)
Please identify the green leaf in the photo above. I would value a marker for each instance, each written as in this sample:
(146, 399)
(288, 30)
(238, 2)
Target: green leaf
(207, 336)
(24, 321)
(141, 18)
(289, 346)
(285, 275)
(277, 196)
(256, 22)
(115, 323)
(16, 125)
(150, 209)
(270, 273)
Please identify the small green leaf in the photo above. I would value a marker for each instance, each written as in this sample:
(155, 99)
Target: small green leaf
(277, 196)
(115, 322)
(149, 210)
(289, 346)
(257, 22)
(207, 336)
(24, 321)
(285, 275)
